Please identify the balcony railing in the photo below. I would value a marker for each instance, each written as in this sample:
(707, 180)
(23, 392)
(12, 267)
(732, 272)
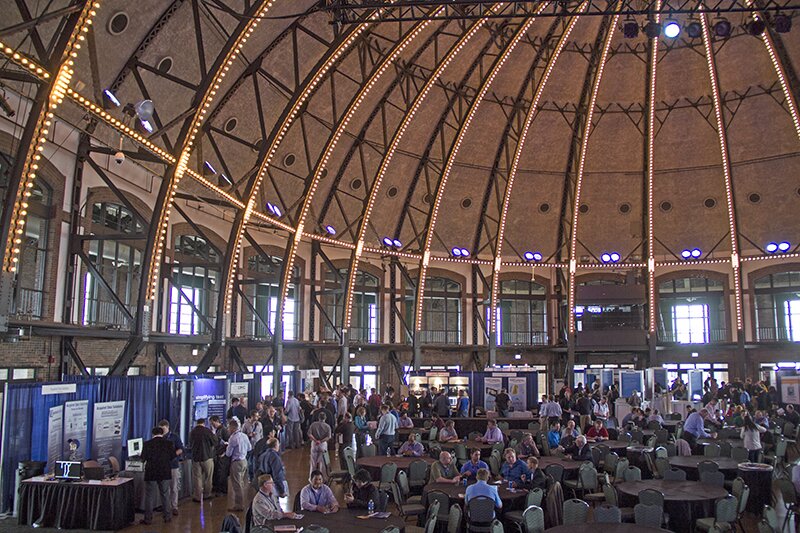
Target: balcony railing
(711, 336)
(28, 303)
(440, 337)
(360, 335)
(773, 334)
(526, 338)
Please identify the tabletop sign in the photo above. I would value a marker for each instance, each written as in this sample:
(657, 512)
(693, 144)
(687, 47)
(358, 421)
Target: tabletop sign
(59, 388)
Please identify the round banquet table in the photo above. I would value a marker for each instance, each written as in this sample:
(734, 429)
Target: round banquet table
(568, 464)
(344, 520)
(456, 493)
(689, 463)
(485, 448)
(636, 456)
(373, 464)
(683, 500)
(609, 528)
(735, 443)
(758, 477)
(618, 446)
(402, 433)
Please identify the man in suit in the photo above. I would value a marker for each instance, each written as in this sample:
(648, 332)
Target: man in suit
(157, 454)
(580, 451)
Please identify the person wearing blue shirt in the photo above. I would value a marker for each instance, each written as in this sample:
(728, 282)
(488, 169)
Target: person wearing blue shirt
(463, 404)
(554, 435)
(694, 427)
(482, 488)
(471, 467)
(513, 469)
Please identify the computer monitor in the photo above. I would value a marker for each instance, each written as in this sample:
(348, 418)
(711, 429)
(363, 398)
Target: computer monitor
(69, 470)
(135, 447)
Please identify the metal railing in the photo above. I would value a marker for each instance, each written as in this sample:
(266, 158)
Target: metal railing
(28, 303)
(708, 337)
(528, 338)
(773, 334)
(102, 312)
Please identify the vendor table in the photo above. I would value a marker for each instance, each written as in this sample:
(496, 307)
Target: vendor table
(344, 520)
(102, 505)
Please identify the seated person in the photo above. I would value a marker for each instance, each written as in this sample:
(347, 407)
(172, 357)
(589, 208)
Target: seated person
(317, 496)
(597, 432)
(482, 488)
(570, 430)
(554, 435)
(535, 478)
(474, 464)
(266, 506)
(411, 448)
(513, 469)
(580, 451)
(405, 421)
(493, 433)
(527, 447)
(629, 418)
(444, 471)
(655, 416)
(362, 491)
(437, 422)
(448, 433)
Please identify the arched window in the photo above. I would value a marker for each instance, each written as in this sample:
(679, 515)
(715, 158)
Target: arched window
(194, 286)
(113, 272)
(521, 315)
(777, 307)
(692, 310)
(441, 312)
(261, 296)
(30, 284)
(364, 323)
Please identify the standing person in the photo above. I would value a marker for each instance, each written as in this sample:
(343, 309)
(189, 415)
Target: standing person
(341, 405)
(238, 446)
(294, 413)
(441, 405)
(237, 410)
(751, 438)
(374, 405)
(222, 464)
(347, 430)
(253, 428)
(203, 443)
(157, 454)
(426, 403)
(175, 464)
(320, 433)
(387, 427)
(501, 402)
(463, 404)
(266, 506)
(270, 462)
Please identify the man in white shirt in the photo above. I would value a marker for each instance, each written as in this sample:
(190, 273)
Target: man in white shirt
(294, 437)
(387, 427)
(238, 446)
(601, 410)
(317, 496)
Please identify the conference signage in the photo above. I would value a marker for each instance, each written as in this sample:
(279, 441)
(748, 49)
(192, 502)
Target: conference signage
(107, 435)
(518, 391)
(76, 426)
(55, 436)
(213, 392)
(491, 386)
(790, 390)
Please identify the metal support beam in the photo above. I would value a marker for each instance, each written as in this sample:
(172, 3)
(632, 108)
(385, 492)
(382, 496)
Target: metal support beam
(344, 356)
(69, 349)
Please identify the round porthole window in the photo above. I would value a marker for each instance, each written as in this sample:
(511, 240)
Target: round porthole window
(625, 208)
(710, 203)
(754, 197)
(583, 209)
(544, 208)
(165, 65)
(466, 203)
(230, 125)
(118, 23)
(289, 160)
(666, 206)
(427, 198)
(391, 192)
(355, 184)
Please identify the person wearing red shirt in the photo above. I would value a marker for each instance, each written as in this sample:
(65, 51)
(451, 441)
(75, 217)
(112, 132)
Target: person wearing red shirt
(597, 432)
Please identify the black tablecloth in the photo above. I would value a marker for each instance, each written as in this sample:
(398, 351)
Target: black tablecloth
(76, 505)
(346, 520)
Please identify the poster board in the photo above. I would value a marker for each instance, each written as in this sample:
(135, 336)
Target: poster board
(107, 431)
(695, 385)
(491, 385)
(213, 392)
(518, 391)
(76, 427)
(629, 381)
(606, 379)
(790, 389)
(55, 436)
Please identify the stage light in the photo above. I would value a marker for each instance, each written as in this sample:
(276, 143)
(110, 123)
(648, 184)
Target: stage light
(772, 247)
(756, 27)
(686, 254)
(630, 29)
(387, 242)
(211, 168)
(694, 29)
(722, 28)
(270, 208)
(277, 210)
(672, 29)
(782, 23)
(397, 243)
(528, 256)
(696, 253)
(147, 126)
(784, 246)
(652, 29)
(464, 252)
(615, 257)
(456, 252)
(330, 229)
(112, 98)
(518, 356)
(605, 258)
(537, 256)
(145, 110)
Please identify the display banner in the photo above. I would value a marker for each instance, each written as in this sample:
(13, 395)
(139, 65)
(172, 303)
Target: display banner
(695, 385)
(76, 428)
(55, 436)
(629, 381)
(518, 391)
(107, 435)
(239, 389)
(606, 379)
(212, 391)
(790, 390)
(491, 386)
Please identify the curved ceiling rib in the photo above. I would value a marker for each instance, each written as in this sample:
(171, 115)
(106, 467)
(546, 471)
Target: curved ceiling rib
(726, 170)
(598, 77)
(512, 173)
(387, 158)
(431, 225)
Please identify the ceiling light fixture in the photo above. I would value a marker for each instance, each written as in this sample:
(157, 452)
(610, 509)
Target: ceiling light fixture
(672, 29)
(630, 29)
(722, 28)
(782, 23)
(756, 27)
(652, 29)
(112, 98)
(694, 29)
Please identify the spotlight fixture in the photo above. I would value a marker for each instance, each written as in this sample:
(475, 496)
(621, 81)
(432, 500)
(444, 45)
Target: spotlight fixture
(784, 246)
(532, 256)
(615, 257)
(274, 209)
(147, 126)
(112, 98)
(330, 229)
(605, 258)
(694, 30)
(686, 254)
(630, 29)
(756, 27)
(397, 243)
(696, 253)
(456, 251)
(464, 252)
(387, 242)
(782, 23)
(671, 29)
(652, 29)
(722, 28)
(771, 247)
(392, 243)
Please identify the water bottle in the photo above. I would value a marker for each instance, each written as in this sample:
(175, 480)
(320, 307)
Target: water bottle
(510, 485)
(465, 481)
(371, 507)
(388, 451)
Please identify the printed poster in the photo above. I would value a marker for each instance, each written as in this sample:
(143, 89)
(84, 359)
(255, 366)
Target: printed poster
(212, 391)
(518, 391)
(76, 429)
(55, 436)
(790, 389)
(493, 386)
(107, 435)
